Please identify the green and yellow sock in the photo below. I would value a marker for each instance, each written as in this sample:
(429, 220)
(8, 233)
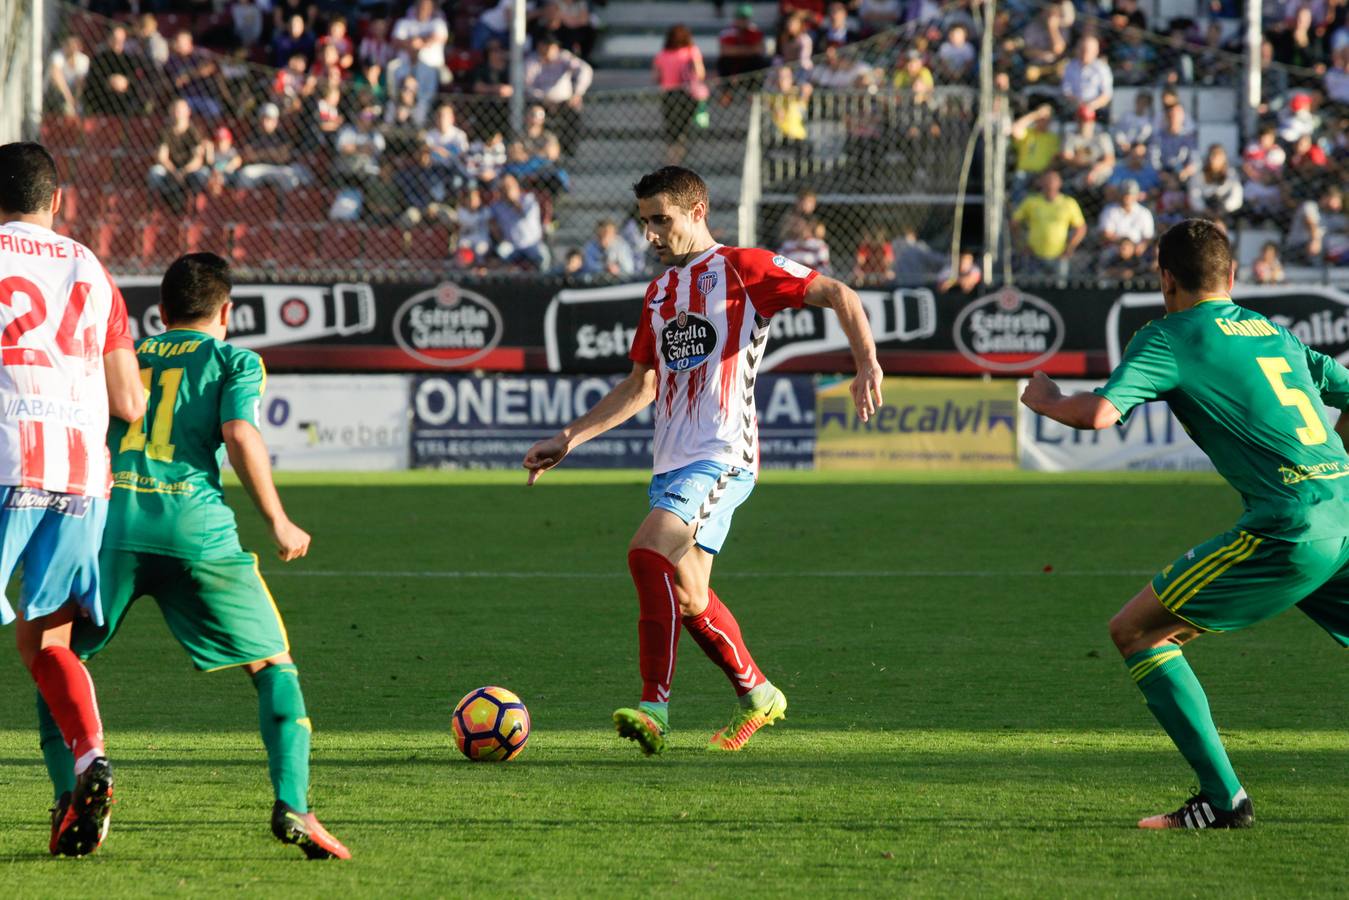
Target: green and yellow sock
(285, 732)
(60, 761)
(1176, 698)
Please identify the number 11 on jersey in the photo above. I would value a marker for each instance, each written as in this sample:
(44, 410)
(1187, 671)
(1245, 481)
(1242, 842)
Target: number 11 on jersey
(159, 446)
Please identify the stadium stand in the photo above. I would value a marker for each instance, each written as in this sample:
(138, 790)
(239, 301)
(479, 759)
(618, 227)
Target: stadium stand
(876, 112)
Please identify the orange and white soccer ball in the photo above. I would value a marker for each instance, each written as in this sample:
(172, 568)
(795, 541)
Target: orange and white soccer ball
(491, 724)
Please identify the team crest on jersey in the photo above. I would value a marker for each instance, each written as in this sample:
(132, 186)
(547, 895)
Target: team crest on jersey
(687, 341)
(706, 282)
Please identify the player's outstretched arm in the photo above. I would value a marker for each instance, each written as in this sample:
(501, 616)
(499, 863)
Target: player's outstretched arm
(248, 456)
(832, 294)
(624, 400)
(1083, 410)
(126, 394)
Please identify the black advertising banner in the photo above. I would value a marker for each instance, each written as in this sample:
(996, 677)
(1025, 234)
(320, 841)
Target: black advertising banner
(1318, 315)
(547, 326)
(354, 327)
(488, 422)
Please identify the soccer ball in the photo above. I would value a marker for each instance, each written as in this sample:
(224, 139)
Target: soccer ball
(491, 725)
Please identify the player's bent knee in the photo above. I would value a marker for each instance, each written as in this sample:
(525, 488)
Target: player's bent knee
(278, 660)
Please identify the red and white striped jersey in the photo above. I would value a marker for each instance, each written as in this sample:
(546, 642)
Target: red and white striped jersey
(60, 312)
(703, 329)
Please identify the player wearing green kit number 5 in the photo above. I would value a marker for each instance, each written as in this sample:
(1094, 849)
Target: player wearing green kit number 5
(171, 536)
(1251, 395)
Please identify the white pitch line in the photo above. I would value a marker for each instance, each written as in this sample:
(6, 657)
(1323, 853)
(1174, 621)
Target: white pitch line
(897, 573)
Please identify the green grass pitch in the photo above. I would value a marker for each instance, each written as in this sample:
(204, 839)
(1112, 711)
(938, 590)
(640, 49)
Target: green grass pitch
(959, 722)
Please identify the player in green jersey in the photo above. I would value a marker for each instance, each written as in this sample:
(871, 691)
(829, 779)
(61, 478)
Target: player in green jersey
(171, 536)
(1251, 395)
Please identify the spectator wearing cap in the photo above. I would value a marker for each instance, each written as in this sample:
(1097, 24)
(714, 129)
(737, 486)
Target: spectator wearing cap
(956, 57)
(225, 159)
(1175, 147)
(1320, 231)
(1088, 155)
(517, 226)
(558, 79)
(420, 38)
(1087, 80)
(1127, 221)
(606, 253)
(1215, 190)
(182, 158)
(1050, 227)
(836, 30)
(1298, 119)
(1262, 165)
(741, 46)
(269, 155)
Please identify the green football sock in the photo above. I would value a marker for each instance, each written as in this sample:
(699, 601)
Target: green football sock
(658, 711)
(285, 732)
(1177, 700)
(60, 761)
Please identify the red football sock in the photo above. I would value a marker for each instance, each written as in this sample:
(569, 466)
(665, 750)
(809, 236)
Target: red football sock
(658, 624)
(65, 684)
(717, 632)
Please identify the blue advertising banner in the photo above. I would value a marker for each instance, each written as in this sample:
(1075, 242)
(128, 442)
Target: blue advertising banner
(489, 421)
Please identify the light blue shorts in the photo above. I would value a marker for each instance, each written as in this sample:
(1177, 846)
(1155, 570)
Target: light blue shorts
(703, 492)
(56, 537)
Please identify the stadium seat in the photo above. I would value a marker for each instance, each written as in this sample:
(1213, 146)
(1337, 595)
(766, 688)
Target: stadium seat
(1227, 134)
(161, 242)
(307, 204)
(1250, 240)
(206, 236)
(386, 244)
(60, 133)
(103, 133)
(297, 245)
(94, 169)
(429, 244)
(253, 244)
(116, 242)
(72, 204)
(251, 207)
(342, 243)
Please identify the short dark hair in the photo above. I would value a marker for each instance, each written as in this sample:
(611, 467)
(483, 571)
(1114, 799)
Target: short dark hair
(195, 287)
(684, 187)
(1197, 254)
(27, 178)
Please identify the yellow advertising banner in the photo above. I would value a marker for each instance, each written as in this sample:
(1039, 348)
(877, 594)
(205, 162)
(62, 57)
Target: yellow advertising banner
(926, 423)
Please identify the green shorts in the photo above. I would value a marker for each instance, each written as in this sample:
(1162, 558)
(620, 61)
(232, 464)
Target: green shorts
(1238, 578)
(219, 609)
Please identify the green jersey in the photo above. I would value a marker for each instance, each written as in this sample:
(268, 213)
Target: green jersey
(1250, 394)
(166, 494)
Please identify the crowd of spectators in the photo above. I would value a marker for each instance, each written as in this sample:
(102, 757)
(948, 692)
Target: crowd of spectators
(398, 114)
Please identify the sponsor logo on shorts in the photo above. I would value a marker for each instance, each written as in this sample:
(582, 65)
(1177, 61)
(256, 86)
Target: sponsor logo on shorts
(71, 505)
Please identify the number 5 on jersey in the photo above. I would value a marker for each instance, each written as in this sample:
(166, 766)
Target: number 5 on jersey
(1275, 367)
(159, 446)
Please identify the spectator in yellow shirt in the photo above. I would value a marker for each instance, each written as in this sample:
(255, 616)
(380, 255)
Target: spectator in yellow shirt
(913, 75)
(1053, 227)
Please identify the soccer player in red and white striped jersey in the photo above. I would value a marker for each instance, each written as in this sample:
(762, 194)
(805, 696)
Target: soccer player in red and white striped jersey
(700, 339)
(66, 364)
